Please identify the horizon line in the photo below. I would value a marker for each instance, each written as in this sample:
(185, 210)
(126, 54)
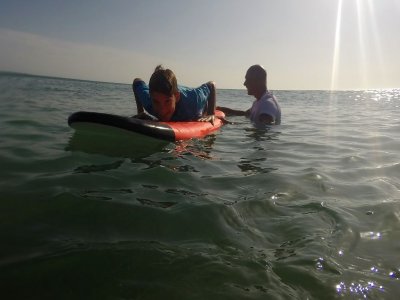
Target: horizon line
(7, 72)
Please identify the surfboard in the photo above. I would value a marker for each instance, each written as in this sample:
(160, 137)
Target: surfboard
(110, 124)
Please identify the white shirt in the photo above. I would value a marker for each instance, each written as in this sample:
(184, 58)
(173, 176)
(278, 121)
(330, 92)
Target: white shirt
(268, 105)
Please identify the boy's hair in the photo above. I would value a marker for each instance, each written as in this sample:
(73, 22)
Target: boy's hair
(163, 81)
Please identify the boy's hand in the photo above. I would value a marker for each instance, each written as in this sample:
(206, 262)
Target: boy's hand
(209, 118)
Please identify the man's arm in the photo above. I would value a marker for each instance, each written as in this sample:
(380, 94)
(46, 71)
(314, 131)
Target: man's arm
(233, 112)
(266, 119)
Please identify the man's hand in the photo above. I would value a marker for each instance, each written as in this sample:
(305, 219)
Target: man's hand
(225, 121)
(266, 119)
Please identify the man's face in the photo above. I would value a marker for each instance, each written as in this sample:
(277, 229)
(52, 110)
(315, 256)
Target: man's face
(250, 83)
(163, 105)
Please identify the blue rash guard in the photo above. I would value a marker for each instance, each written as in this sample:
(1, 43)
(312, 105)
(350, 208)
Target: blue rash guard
(190, 107)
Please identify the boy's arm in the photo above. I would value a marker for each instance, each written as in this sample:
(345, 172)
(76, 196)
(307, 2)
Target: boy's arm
(139, 105)
(212, 99)
(209, 115)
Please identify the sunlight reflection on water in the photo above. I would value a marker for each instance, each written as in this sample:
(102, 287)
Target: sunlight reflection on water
(359, 289)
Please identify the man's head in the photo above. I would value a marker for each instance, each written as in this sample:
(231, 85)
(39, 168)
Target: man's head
(256, 81)
(164, 93)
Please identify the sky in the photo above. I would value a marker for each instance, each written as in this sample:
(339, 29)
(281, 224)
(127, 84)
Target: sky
(303, 44)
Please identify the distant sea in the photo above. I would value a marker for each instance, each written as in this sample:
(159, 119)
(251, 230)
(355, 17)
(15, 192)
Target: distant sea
(309, 209)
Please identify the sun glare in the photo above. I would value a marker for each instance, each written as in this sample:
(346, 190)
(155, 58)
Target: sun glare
(335, 63)
(376, 39)
(370, 62)
(362, 44)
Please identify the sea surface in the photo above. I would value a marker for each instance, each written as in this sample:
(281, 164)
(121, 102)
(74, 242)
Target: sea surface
(309, 209)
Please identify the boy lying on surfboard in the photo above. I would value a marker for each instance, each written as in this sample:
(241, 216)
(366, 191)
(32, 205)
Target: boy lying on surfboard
(167, 101)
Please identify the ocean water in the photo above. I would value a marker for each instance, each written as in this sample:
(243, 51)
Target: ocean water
(309, 209)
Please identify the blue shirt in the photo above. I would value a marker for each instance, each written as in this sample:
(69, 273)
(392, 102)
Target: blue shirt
(190, 107)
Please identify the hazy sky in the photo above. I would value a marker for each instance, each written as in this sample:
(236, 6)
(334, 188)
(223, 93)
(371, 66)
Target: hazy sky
(300, 42)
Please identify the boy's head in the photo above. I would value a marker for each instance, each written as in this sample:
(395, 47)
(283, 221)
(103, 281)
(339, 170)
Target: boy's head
(164, 93)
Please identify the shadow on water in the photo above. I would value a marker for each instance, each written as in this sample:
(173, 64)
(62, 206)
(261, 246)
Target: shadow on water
(117, 143)
(253, 166)
(200, 148)
(254, 158)
(262, 133)
(120, 143)
(98, 168)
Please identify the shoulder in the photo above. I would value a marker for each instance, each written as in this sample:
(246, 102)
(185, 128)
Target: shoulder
(268, 100)
(138, 82)
(200, 91)
(211, 85)
(208, 88)
(267, 96)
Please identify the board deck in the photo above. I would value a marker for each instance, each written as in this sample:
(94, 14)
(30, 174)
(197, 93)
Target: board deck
(168, 131)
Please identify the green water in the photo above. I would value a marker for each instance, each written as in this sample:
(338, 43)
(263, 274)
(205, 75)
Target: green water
(309, 209)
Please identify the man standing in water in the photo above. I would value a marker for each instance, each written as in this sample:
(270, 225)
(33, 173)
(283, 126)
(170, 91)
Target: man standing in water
(265, 109)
